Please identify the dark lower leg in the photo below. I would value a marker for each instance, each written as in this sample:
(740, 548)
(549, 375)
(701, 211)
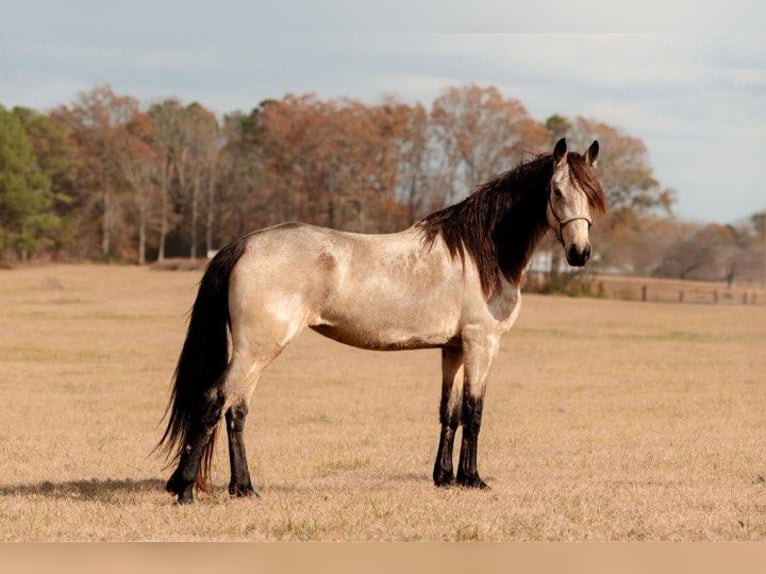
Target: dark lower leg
(240, 484)
(443, 473)
(181, 482)
(449, 415)
(467, 473)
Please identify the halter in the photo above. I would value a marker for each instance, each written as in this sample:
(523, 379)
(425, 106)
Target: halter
(564, 222)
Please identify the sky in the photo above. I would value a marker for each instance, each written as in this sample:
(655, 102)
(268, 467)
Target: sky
(691, 84)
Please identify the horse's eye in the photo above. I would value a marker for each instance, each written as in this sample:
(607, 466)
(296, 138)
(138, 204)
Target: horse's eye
(557, 192)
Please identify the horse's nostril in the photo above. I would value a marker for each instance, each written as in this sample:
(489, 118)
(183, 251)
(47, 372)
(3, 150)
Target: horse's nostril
(576, 257)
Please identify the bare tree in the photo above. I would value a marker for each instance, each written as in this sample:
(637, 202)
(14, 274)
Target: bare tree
(204, 146)
(481, 134)
(170, 141)
(95, 123)
(624, 169)
(139, 165)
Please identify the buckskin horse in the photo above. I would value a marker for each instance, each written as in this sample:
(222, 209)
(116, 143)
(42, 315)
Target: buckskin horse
(451, 281)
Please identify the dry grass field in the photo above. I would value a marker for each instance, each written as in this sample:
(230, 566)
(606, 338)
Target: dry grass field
(604, 420)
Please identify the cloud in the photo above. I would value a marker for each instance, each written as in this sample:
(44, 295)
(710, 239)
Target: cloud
(687, 96)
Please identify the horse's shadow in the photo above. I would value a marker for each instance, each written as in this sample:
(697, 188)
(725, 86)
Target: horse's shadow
(110, 490)
(86, 490)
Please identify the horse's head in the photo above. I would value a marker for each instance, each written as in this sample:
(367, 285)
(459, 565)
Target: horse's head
(575, 196)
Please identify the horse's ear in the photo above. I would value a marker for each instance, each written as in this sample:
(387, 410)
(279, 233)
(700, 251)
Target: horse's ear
(592, 154)
(560, 151)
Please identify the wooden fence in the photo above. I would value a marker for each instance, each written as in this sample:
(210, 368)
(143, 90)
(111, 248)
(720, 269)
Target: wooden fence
(659, 290)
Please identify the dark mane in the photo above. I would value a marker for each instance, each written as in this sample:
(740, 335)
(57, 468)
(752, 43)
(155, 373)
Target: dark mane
(499, 225)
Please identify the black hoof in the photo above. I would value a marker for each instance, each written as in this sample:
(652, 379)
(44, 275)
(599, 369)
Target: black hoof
(472, 482)
(185, 497)
(443, 479)
(183, 492)
(242, 491)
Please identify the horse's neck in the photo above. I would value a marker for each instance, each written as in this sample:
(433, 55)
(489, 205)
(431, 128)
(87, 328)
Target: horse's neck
(516, 238)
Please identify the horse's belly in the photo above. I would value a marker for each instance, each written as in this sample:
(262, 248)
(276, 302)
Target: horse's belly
(388, 333)
(389, 342)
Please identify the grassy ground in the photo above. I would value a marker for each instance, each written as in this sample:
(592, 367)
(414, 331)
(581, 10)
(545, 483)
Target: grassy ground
(604, 420)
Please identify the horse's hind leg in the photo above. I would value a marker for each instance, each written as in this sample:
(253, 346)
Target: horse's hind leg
(243, 375)
(254, 349)
(181, 483)
(449, 414)
(240, 483)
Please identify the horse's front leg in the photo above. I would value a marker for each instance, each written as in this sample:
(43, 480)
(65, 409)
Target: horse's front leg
(479, 350)
(449, 414)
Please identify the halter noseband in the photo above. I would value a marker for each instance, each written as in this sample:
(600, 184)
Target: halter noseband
(564, 222)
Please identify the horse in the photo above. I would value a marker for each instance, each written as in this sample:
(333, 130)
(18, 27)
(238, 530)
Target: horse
(451, 281)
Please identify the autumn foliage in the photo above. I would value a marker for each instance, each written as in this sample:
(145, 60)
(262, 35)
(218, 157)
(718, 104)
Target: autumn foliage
(105, 178)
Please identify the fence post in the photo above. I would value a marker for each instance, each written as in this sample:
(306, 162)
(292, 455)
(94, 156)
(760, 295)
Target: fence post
(643, 293)
(744, 297)
(680, 295)
(715, 296)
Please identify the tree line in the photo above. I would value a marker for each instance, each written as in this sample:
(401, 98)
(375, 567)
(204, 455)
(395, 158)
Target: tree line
(106, 178)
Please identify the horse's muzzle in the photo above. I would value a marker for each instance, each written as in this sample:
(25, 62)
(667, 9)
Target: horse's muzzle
(578, 257)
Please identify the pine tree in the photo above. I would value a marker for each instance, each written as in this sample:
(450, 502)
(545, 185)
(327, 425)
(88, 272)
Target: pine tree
(27, 222)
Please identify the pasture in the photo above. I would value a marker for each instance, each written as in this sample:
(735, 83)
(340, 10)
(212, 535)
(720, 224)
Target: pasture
(604, 420)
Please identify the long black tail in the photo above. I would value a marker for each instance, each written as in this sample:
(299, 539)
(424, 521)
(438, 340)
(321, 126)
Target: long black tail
(203, 360)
